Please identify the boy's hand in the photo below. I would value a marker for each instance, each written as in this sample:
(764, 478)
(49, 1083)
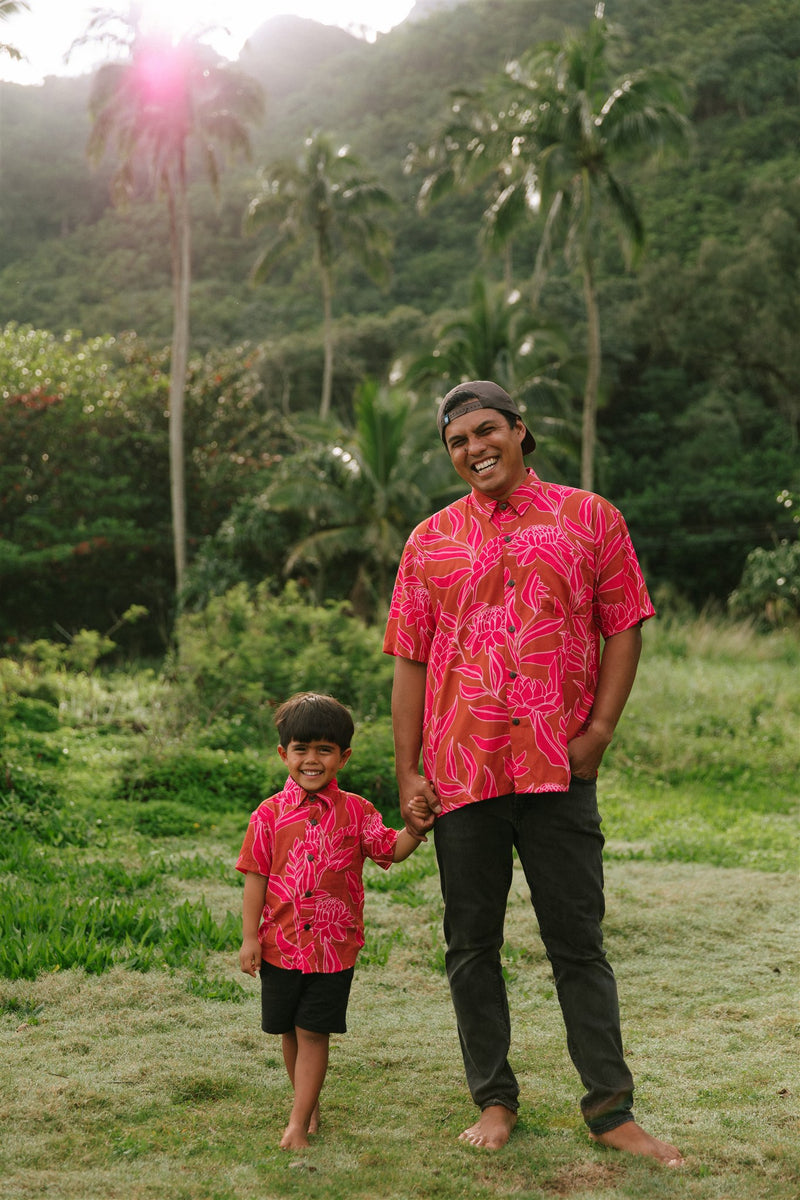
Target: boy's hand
(419, 804)
(420, 818)
(250, 956)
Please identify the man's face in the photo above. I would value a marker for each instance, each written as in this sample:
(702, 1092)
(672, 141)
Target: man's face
(487, 452)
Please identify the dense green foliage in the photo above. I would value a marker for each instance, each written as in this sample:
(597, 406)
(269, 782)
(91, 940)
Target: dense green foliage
(698, 418)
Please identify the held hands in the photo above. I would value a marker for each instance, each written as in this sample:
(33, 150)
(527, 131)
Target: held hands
(421, 817)
(419, 804)
(250, 956)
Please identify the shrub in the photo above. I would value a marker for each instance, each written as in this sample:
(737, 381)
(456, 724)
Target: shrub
(38, 715)
(249, 649)
(200, 780)
(370, 771)
(770, 585)
(30, 804)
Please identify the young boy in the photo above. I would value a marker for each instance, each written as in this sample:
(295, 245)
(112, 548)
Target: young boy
(302, 914)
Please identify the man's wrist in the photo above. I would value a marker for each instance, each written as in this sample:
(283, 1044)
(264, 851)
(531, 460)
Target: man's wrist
(602, 730)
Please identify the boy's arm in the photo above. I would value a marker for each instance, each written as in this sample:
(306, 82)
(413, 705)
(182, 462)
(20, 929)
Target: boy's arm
(255, 892)
(406, 844)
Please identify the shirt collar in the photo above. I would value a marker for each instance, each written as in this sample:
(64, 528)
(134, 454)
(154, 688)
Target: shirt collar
(294, 796)
(519, 500)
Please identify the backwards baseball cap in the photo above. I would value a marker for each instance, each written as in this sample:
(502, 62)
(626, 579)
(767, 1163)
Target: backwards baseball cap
(479, 393)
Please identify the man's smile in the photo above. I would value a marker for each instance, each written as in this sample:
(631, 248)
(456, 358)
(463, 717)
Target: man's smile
(486, 465)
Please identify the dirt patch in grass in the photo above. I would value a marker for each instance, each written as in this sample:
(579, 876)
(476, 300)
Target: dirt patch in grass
(583, 1177)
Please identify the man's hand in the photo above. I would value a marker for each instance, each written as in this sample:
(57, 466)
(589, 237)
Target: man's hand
(419, 804)
(586, 753)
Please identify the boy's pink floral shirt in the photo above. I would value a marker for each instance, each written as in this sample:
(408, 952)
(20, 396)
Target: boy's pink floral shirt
(312, 847)
(506, 603)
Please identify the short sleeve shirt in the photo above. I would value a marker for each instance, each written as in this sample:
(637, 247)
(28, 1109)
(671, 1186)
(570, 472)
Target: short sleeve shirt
(506, 604)
(311, 848)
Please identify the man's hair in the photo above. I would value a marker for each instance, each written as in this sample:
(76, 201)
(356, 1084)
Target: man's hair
(311, 717)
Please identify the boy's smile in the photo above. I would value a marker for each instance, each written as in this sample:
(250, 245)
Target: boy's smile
(312, 765)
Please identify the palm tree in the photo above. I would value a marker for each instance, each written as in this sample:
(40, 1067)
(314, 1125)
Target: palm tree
(152, 107)
(321, 198)
(9, 8)
(472, 151)
(372, 482)
(559, 129)
(500, 337)
(582, 129)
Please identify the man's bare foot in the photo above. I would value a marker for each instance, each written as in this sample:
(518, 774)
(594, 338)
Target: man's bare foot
(294, 1138)
(631, 1138)
(493, 1129)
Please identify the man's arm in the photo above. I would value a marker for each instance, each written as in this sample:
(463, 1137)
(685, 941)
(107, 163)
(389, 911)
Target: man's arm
(618, 664)
(408, 708)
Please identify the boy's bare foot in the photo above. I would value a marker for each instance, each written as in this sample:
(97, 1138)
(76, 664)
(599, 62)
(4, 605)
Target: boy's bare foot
(631, 1138)
(314, 1122)
(493, 1129)
(294, 1138)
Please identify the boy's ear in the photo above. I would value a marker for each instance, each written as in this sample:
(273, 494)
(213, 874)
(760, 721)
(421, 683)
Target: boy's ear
(345, 755)
(282, 752)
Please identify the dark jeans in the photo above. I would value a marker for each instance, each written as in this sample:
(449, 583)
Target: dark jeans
(560, 846)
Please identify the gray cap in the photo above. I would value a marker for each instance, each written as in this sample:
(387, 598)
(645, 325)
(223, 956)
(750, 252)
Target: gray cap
(479, 393)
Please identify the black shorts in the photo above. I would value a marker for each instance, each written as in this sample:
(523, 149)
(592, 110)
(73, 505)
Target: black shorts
(316, 1002)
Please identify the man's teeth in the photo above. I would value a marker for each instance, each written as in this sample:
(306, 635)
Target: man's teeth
(484, 466)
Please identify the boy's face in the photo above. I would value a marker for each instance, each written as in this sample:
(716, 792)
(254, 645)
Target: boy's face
(312, 765)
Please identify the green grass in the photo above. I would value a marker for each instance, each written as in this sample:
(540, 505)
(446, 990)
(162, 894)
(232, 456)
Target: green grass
(131, 1060)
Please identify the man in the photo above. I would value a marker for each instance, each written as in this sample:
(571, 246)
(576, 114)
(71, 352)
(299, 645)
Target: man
(498, 611)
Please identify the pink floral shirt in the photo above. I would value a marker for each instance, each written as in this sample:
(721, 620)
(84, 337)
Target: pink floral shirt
(506, 603)
(311, 848)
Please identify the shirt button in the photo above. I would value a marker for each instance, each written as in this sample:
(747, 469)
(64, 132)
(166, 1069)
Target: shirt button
(512, 674)
(306, 927)
(511, 583)
(308, 892)
(515, 721)
(503, 506)
(506, 540)
(310, 857)
(511, 629)
(313, 821)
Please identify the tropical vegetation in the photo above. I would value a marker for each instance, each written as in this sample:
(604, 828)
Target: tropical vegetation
(697, 415)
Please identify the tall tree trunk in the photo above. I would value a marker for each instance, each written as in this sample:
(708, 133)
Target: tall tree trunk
(508, 267)
(593, 353)
(180, 234)
(327, 325)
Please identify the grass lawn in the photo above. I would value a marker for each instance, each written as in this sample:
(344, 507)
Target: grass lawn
(129, 1085)
(131, 1060)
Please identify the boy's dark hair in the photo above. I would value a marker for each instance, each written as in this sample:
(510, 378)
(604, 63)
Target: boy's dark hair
(311, 717)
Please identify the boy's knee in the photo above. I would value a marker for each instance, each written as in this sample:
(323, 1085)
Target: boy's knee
(310, 1037)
